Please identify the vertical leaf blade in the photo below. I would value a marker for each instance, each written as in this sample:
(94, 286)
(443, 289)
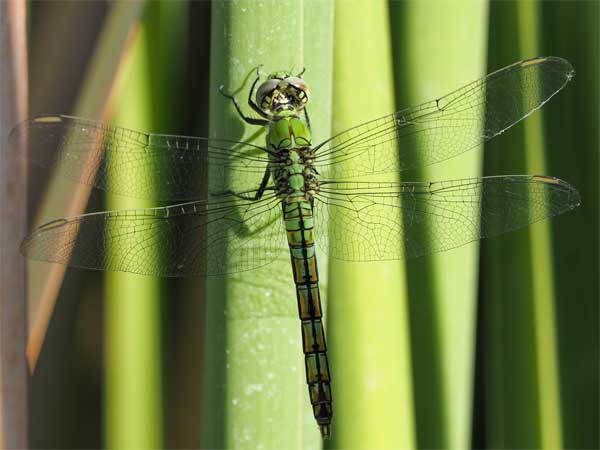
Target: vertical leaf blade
(521, 372)
(570, 29)
(255, 392)
(368, 332)
(134, 391)
(442, 287)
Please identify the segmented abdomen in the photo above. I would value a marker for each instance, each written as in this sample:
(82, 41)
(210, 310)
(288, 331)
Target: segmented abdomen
(299, 222)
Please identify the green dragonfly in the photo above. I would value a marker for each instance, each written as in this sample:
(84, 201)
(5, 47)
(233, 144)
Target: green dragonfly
(252, 202)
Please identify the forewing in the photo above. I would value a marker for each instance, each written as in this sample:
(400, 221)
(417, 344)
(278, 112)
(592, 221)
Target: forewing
(190, 239)
(386, 221)
(445, 127)
(137, 164)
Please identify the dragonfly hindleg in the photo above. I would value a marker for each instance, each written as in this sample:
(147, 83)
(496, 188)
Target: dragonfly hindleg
(259, 192)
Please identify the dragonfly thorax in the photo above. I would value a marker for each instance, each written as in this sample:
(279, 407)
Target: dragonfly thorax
(294, 173)
(292, 157)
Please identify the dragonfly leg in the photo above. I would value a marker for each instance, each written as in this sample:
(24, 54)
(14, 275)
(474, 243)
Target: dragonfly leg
(250, 120)
(259, 192)
(251, 102)
(307, 119)
(263, 185)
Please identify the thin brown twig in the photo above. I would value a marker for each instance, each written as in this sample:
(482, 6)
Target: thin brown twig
(96, 102)
(14, 380)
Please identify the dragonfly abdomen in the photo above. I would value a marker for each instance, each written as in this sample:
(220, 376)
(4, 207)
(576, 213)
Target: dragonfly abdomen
(296, 182)
(298, 217)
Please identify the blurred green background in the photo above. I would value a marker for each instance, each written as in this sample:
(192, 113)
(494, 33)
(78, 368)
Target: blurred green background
(491, 346)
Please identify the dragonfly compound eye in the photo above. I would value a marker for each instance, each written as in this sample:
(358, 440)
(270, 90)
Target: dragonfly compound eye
(301, 90)
(264, 95)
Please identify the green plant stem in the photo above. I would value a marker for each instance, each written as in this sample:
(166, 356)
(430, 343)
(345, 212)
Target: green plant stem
(134, 413)
(255, 394)
(133, 337)
(368, 331)
(443, 287)
(541, 256)
(570, 29)
(518, 296)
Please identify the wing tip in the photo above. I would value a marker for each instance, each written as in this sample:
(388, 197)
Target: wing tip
(561, 65)
(574, 199)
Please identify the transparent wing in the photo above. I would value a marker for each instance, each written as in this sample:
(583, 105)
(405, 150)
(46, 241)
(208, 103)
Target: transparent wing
(445, 127)
(364, 221)
(137, 164)
(189, 239)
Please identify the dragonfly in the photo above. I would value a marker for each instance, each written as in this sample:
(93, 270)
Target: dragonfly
(235, 206)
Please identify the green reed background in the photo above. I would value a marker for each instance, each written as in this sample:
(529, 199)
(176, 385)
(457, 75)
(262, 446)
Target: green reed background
(491, 346)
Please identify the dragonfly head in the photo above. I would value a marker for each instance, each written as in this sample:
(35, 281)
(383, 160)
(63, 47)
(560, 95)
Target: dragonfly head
(282, 92)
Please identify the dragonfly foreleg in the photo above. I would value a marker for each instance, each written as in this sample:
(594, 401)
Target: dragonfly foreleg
(250, 120)
(253, 105)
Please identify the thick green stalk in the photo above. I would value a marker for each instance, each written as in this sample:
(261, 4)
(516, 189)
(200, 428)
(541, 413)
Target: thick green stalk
(443, 287)
(541, 256)
(255, 394)
(520, 370)
(133, 375)
(134, 401)
(572, 30)
(368, 332)
(510, 384)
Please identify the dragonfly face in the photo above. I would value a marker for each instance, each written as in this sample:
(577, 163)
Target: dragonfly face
(282, 92)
